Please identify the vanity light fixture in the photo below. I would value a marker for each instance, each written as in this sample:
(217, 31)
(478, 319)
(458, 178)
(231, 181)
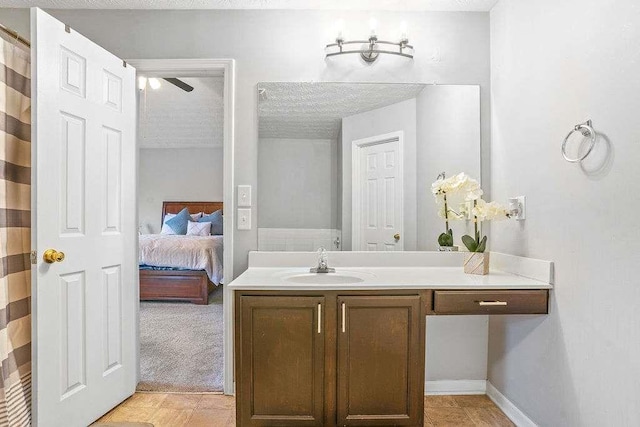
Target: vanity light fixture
(370, 49)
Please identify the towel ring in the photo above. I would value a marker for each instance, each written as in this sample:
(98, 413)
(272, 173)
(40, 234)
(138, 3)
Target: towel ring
(585, 129)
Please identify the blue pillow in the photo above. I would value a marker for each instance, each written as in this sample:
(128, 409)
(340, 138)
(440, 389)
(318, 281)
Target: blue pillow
(180, 222)
(216, 222)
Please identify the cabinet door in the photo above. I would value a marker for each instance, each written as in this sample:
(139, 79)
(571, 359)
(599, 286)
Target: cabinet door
(281, 361)
(380, 360)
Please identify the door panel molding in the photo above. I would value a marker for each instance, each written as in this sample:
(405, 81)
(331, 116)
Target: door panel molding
(83, 202)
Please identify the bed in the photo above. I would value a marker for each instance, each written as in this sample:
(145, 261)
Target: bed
(178, 282)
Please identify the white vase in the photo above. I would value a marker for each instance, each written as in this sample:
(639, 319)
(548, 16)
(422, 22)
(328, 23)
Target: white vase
(447, 249)
(476, 263)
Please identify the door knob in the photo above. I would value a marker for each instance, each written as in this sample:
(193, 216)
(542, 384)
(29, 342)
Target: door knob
(51, 255)
(396, 236)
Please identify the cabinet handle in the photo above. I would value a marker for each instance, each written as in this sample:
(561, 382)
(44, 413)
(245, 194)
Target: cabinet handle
(492, 302)
(319, 318)
(344, 318)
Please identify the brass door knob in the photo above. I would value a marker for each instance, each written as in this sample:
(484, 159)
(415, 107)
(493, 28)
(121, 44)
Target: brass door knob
(396, 236)
(51, 255)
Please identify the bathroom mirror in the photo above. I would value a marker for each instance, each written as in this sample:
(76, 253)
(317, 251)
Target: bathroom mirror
(349, 166)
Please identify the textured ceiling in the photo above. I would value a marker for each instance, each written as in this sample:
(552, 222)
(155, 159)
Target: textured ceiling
(315, 110)
(414, 5)
(173, 118)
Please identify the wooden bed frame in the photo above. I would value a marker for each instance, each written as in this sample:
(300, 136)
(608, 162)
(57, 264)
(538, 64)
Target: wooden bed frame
(178, 285)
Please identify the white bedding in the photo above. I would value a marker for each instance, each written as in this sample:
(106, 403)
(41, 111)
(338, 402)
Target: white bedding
(189, 252)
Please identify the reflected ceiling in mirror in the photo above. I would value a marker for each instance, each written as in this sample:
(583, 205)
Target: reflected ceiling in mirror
(316, 110)
(349, 166)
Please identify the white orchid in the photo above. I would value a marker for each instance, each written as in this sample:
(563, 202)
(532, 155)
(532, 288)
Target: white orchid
(490, 211)
(460, 184)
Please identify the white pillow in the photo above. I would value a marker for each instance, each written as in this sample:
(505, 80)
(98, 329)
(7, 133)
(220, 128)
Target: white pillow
(198, 228)
(166, 229)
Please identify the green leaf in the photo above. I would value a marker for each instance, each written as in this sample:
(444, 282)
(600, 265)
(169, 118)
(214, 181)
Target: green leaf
(446, 239)
(483, 245)
(469, 242)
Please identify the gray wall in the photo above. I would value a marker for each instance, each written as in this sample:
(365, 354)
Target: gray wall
(179, 174)
(555, 64)
(393, 118)
(448, 120)
(263, 46)
(297, 183)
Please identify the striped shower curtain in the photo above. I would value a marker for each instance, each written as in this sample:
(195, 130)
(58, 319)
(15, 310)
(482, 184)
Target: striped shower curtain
(15, 235)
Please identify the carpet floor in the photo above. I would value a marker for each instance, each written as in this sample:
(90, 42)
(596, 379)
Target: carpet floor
(181, 346)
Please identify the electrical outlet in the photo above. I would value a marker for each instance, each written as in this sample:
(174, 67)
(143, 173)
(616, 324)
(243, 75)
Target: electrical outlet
(517, 206)
(244, 219)
(244, 196)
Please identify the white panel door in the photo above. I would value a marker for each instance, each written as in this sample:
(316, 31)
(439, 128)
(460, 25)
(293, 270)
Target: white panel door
(84, 157)
(380, 188)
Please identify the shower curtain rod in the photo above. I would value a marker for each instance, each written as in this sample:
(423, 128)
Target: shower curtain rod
(15, 36)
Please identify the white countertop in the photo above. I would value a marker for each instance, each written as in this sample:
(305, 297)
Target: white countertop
(276, 278)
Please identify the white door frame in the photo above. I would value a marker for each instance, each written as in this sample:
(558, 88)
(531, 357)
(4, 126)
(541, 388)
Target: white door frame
(201, 68)
(356, 206)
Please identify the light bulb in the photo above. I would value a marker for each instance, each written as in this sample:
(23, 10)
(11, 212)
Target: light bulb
(373, 24)
(154, 83)
(142, 83)
(403, 31)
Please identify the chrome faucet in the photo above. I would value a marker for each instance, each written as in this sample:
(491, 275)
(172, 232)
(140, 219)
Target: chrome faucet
(323, 264)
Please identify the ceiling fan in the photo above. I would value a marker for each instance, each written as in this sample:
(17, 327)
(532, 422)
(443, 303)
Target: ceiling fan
(179, 83)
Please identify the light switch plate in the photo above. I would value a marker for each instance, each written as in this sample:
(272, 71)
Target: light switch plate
(244, 196)
(244, 219)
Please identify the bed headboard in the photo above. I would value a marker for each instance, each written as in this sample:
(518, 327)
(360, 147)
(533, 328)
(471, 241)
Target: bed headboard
(194, 207)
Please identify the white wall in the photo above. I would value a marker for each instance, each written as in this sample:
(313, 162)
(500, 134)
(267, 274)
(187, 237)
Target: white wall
(555, 64)
(392, 118)
(179, 174)
(262, 44)
(297, 183)
(448, 140)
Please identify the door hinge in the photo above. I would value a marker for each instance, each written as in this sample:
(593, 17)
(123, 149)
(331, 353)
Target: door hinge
(34, 259)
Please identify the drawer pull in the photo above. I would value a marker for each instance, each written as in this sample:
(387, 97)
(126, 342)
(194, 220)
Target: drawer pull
(344, 315)
(319, 318)
(491, 302)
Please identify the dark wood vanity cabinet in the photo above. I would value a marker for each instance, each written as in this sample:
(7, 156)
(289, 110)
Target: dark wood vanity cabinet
(380, 360)
(332, 359)
(281, 371)
(346, 358)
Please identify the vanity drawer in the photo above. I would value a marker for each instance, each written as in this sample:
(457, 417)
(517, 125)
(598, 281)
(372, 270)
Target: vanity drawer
(491, 302)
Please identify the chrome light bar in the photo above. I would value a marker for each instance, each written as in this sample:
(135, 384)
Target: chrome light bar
(369, 50)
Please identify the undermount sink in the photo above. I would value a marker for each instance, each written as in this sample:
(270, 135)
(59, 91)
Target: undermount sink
(325, 278)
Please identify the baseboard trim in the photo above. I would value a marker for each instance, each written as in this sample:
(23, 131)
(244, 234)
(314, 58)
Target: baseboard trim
(515, 415)
(455, 387)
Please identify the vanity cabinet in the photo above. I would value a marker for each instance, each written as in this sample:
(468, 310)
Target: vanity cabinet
(280, 375)
(519, 301)
(346, 358)
(380, 360)
(338, 358)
